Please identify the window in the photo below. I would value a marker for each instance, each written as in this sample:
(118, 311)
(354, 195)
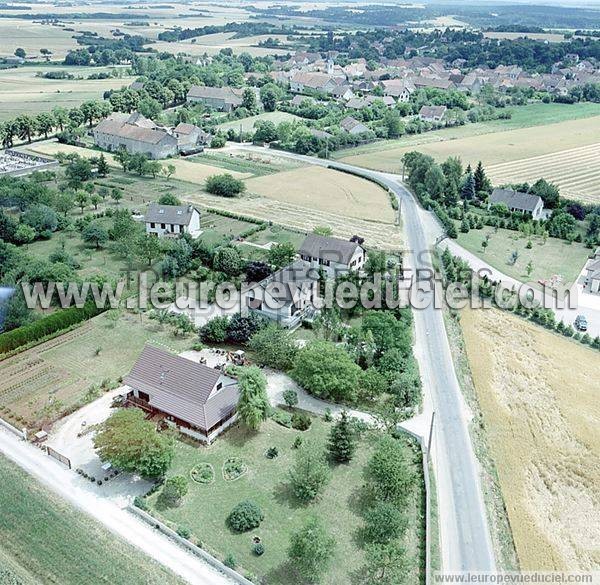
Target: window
(144, 396)
(219, 385)
(162, 226)
(152, 225)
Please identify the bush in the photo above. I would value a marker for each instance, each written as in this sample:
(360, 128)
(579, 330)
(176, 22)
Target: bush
(184, 532)
(384, 522)
(272, 453)
(215, 331)
(282, 418)
(173, 491)
(258, 549)
(297, 442)
(230, 561)
(224, 185)
(274, 347)
(245, 516)
(301, 421)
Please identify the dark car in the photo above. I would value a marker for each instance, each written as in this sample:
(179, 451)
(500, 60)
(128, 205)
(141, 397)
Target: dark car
(581, 323)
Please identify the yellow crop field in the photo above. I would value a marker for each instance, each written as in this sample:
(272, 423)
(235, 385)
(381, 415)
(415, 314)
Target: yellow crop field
(576, 171)
(538, 393)
(326, 190)
(550, 37)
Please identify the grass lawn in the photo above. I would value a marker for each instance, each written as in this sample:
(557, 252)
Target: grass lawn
(557, 127)
(553, 257)
(205, 508)
(45, 540)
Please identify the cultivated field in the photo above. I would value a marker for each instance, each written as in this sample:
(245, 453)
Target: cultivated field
(33, 36)
(21, 91)
(550, 37)
(247, 124)
(532, 131)
(539, 396)
(328, 191)
(40, 384)
(205, 508)
(45, 540)
(576, 171)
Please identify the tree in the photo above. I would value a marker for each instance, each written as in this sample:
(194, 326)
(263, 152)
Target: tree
(249, 100)
(224, 185)
(24, 234)
(468, 188)
(290, 397)
(384, 522)
(131, 443)
(25, 127)
(102, 166)
(215, 331)
(391, 120)
(174, 489)
(147, 247)
(168, 199)
(273, 347)
(529, 268)
(253, 404)
(116, 195)
(245, 516)
(482, 183)
(376, 262)
(95, 199)
(435, 182)
(389, 475)
(311, 550)
(387, 564)
(44, 122)
(64, 201)
(41, 218)
(123, 158)
(227, 259)
(257, 270)
(266, 131)
(169, 171)
(281, 254)
(81, 198)
(549, 193)
(20, 53)
(342, 440)
(270, 94)
(327, 371)
(95, 233)
(310, 473)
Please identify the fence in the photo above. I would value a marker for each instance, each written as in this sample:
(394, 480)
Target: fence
(22, 434)
(212, 561)
(56, 455)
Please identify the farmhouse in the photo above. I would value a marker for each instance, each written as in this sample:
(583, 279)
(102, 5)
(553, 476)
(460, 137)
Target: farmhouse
(199, 401)
(432, 113)
(401, 89)
(171, 220)
(353, 126)
(286, 296)
(136, 134)
(592, 275)
(220, 98)
(305, 80)
(517, 201)
(190, 137)
(334, 255)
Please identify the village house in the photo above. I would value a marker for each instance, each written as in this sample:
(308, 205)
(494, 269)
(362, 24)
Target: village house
(223, 99)
(136, 134)
(172, 220)
(517, 201)
(432, 113)
(353, 126)
(190, 138)
(401, 89)
(592, 274)
(199, 401)
(302, 81)
(335, 256)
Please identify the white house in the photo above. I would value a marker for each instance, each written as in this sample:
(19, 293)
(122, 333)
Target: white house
(335, 256)
(592, 274)
(172, 220)
(432, 113)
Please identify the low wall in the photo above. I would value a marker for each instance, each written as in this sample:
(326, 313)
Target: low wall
(22, 434)
(212, 561)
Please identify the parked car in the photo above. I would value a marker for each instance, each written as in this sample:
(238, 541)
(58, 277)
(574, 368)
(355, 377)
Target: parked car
(581, 323)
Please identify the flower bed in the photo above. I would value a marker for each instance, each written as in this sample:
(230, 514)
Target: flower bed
(203, 473)
(234, 468)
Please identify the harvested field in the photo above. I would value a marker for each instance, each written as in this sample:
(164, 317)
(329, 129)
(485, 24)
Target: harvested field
(533, 131)
(576, 171)
(550, 37)
(186, 170)
(328, 191)
(305, 219)
(539, 396)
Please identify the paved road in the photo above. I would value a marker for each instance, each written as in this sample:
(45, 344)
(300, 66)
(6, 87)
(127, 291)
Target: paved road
(464, 531)
(71, 487)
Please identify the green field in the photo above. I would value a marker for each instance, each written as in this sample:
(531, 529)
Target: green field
(245, 163)
(553, 257)
(247, 124)
(206, 506)
(45, 540)
(466, 140)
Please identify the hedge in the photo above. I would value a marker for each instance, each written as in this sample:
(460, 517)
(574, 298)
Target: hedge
(45, 326)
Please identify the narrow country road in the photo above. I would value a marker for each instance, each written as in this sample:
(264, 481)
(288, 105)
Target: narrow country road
(68, 486)
(464, 532)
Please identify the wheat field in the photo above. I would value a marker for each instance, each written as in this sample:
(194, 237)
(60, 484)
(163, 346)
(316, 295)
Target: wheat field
(538, 393)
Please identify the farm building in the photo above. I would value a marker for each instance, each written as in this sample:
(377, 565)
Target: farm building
(353, 126)
(334, 255)
(592, 274)
(432, 113)
(517, 201)
(171, 220)
(190, 137)
(200, 401)
(220, 98)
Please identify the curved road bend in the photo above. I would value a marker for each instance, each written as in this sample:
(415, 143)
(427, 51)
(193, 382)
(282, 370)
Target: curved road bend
(464, 532)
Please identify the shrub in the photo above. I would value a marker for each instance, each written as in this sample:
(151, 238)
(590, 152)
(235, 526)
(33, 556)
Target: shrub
(297, 442)
(203, 473)
(282, 418)
(230, 561)
(140, 502)
(184, 532)
(290, 397)
(301, 421)
(258, 549)
(245, 516)
(384, 522)
(215, 331)
(224, 185)
(173, 491)
(233, 468)
(272, 452)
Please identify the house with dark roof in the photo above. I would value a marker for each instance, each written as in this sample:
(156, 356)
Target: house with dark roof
(190, 138)
(136, 134)
(353, 126)
(199, 401)
(220, 98)
(592, 274)
(172, 220)
(335, 256)
(518, 201)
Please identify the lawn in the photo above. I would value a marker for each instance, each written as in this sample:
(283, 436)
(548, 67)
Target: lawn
(45, 540)
(539, 397)
(206, 506)
(247, 124)
(555, 256)
(533, 130)
(40, 384)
